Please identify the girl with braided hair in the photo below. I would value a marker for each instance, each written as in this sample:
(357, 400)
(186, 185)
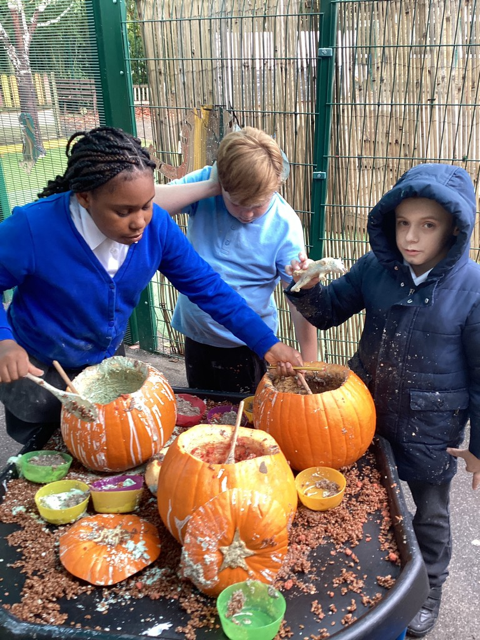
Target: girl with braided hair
(80, 257)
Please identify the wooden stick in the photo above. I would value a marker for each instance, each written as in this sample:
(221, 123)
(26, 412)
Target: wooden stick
(231, 453)
(304, 382)
(304, 368)
(64, 376)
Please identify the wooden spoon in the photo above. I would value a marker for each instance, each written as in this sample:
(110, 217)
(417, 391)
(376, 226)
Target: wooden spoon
(64, 376)
(233, 442)
(80, 407)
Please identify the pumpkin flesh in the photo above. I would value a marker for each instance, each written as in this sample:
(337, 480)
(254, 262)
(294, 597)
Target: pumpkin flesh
(136, 415)
(194, 471)
(333, 427)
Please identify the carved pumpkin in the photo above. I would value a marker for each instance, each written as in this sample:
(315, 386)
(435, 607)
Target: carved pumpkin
(108, 548)
(193, 471)
(237, 535)
(136, 415)
(333, 427)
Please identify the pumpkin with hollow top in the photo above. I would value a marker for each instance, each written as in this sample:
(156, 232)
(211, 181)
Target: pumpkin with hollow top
(194, 471)
(237, 535)
(136, 415)
(333, 427)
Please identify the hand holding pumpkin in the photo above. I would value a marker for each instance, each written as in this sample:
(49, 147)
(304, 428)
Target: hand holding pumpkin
(473, 463)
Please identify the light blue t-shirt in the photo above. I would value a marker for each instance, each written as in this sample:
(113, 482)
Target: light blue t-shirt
(251, 258)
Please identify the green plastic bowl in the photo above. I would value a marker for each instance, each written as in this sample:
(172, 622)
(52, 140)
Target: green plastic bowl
(260, 616)
(43, 474)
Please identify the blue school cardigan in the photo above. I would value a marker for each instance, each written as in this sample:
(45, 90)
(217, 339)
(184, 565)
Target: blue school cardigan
(67, 308)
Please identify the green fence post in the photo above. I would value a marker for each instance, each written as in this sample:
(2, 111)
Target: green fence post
(322, 141)
(4, 213)
(4, 202)
(110, 30)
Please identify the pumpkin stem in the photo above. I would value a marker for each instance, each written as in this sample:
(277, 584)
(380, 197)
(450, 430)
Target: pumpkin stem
(234, 554)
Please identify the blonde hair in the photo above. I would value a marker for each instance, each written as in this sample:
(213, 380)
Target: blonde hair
(250, 166)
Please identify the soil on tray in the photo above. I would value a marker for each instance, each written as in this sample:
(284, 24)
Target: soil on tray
(321, 559)
(47, 460)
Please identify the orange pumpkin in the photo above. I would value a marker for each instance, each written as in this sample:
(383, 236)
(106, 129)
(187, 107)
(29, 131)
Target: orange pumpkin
(136, 415)
(333, 427)
(193, 471)
(108, 548)
(237, 535)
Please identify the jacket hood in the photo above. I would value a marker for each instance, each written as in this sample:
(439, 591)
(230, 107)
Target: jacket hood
(450, 186)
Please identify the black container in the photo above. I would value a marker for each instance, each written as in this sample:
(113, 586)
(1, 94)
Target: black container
(385, 621)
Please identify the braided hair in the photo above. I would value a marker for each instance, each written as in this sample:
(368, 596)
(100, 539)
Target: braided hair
(97, 157)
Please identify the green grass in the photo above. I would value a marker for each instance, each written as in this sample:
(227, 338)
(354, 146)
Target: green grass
(23, 187)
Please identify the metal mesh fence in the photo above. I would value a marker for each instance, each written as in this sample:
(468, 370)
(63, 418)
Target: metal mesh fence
(208, 65)
(48, 90)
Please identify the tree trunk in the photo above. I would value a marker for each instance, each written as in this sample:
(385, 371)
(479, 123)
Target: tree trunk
(28, 101)
(23, 73)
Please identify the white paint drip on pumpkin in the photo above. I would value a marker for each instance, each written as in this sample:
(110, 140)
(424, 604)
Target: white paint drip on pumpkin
(134, 441)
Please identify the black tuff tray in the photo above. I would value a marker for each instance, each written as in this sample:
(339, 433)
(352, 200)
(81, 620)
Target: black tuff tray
(385, 621)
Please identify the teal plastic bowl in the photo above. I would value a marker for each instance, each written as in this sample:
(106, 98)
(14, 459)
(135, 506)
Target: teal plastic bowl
(251, 610)
(43, 473)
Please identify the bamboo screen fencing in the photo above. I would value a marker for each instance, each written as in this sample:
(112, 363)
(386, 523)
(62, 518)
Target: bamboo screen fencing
(251, 63)
(406, 90)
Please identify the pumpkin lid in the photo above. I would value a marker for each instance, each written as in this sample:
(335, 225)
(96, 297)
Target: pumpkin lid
(107, 548)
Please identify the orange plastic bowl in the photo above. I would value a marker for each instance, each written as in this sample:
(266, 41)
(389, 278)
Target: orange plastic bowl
(313, 496)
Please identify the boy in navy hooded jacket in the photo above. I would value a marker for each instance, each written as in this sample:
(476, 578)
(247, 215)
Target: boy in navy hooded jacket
(419, 352)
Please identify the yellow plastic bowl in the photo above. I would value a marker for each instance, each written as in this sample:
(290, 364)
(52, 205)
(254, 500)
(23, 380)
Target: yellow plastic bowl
(248, 408)
(61, 516)
(312, 497)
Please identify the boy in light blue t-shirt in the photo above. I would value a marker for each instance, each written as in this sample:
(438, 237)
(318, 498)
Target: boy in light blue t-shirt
(247, 232)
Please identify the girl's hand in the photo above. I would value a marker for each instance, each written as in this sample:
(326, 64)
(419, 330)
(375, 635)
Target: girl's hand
(14, 362)
(473, 463)
(301, 264)
(284, 358)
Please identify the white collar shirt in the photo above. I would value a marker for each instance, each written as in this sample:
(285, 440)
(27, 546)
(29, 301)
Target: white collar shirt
(417, 279)
(109, 253)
